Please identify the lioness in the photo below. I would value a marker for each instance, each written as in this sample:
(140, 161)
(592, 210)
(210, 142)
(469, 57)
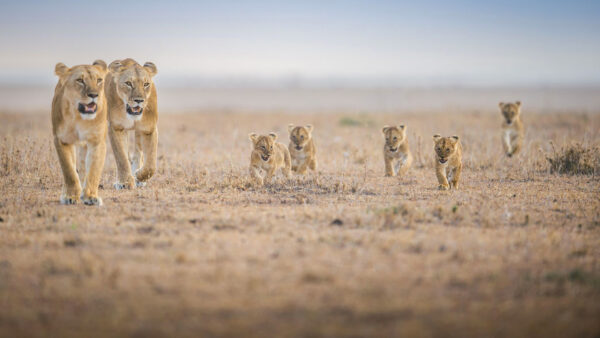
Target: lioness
(269, 156)
(512, 127)
(79, 118)
(396, 153)
(448, 164)
(302, 148)
(131, 96)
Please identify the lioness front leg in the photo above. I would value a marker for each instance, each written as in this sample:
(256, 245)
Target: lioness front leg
(441, 176)
(118, 142)
(81, 154)
(94, 163)
(66, 158)
(149, 144)
(389, 167)
(137, 160)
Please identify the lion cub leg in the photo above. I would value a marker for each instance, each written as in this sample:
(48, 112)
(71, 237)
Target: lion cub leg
(71, 186)
(455, 177)
(287, 163)
(312, 164)
(269, 175)
(440, 172)
(94, 163)
(149, 145)
(255, 174)
(389, 166)
(118, 141)
(516, 144)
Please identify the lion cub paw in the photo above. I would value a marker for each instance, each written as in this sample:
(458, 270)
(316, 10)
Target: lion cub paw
(443, 187)
(89, 200)
(121, 186)
(140, 184)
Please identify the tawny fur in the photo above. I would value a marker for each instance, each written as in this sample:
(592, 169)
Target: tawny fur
(396, 152)
(448, 161)
(127, 82)
(512, 127)
(268, 156)
(77, 87)
(302, 148)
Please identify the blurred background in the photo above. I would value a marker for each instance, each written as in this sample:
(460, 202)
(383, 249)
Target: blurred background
(315, 56)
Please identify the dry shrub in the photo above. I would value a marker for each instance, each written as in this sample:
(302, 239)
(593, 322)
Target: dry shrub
(574, 159)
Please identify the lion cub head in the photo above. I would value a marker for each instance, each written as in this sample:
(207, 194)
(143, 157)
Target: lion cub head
(300, 136)
(83, 86)
(263, 144)
(394, 137)
(445, 147)
(134, 84)
(510, 111)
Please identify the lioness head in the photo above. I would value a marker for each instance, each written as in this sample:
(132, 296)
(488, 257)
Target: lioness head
(300, 135)
(263, 144)
(133, 84)
(394, 136)
(83, 86)
(510, 111)
(444, 147)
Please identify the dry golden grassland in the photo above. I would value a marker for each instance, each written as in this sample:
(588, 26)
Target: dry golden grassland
(200, 251)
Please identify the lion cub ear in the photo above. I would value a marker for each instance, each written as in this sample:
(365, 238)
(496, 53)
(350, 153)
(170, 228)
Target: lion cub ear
(101, 65)
(385, 129)
(150, 68)
(402, 127)
(273, 136)
(253, 137)
(518, 103)
(309, 127)
(437, 137)
(455, 137)
(60, 69)
(115, 66)
(290, 127)
(501, 105)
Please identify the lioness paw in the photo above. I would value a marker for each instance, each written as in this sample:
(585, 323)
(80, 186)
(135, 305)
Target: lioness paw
(140, 184)
(443, 187)
(66, 200)
(121, 186)
(89, 200)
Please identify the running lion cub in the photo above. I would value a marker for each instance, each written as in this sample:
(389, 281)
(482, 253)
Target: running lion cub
(448, 161)
(396, 153)
(268, 155)
(302, 148)
(512, 128)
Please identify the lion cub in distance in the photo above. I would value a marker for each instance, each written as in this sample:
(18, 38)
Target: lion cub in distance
(396, 153)
(512, 128)
(268, 155)
(448, 161)
(302, 148)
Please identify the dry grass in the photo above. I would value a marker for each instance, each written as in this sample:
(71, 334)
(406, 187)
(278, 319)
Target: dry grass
(201, 251)
(575, 159)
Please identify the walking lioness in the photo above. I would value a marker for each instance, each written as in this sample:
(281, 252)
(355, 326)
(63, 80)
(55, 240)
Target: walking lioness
(396, 153)
(448, 161)
(512, 127)
(131, 97)
(302, 148)
(79, 119)
(268, 155)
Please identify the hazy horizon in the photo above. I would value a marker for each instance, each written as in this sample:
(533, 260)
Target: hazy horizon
(387, 43)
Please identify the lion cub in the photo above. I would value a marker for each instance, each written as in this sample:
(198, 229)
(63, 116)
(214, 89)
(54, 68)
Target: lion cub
(448, 161)
(269, 156)
(396, 153)
(512, 128)
(302, 148)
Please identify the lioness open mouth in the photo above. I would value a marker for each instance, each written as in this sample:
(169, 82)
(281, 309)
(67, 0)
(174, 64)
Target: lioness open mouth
(89, 108)
(134, 110)
(265, 157)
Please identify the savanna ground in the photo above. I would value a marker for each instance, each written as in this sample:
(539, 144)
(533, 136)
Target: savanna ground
(201, 251)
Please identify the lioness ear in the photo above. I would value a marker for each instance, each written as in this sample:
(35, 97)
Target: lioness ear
(518, 103)
(273, 136)
(436, 137)
(290, 127)
(455, 137)
(252, 137)
(100, 65)
(309, 127)
(501, 105)
(385, 129)
(115, 66)
(151, 68)
(60, 69)
(402, 127)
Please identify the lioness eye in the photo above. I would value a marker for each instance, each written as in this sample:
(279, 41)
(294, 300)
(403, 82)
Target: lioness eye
(80, 81)
(395, 138)
(99, 81)
(146, 85)
(128, 84)
(302, 137)
(447, 149)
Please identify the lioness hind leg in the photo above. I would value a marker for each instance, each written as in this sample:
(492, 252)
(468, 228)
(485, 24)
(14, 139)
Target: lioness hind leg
(71, 185)
(149, 143)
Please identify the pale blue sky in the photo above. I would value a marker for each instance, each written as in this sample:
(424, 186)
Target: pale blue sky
(511, 42)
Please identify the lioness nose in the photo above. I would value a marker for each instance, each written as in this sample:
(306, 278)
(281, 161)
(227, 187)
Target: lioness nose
(93, 96)
(139, 100)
